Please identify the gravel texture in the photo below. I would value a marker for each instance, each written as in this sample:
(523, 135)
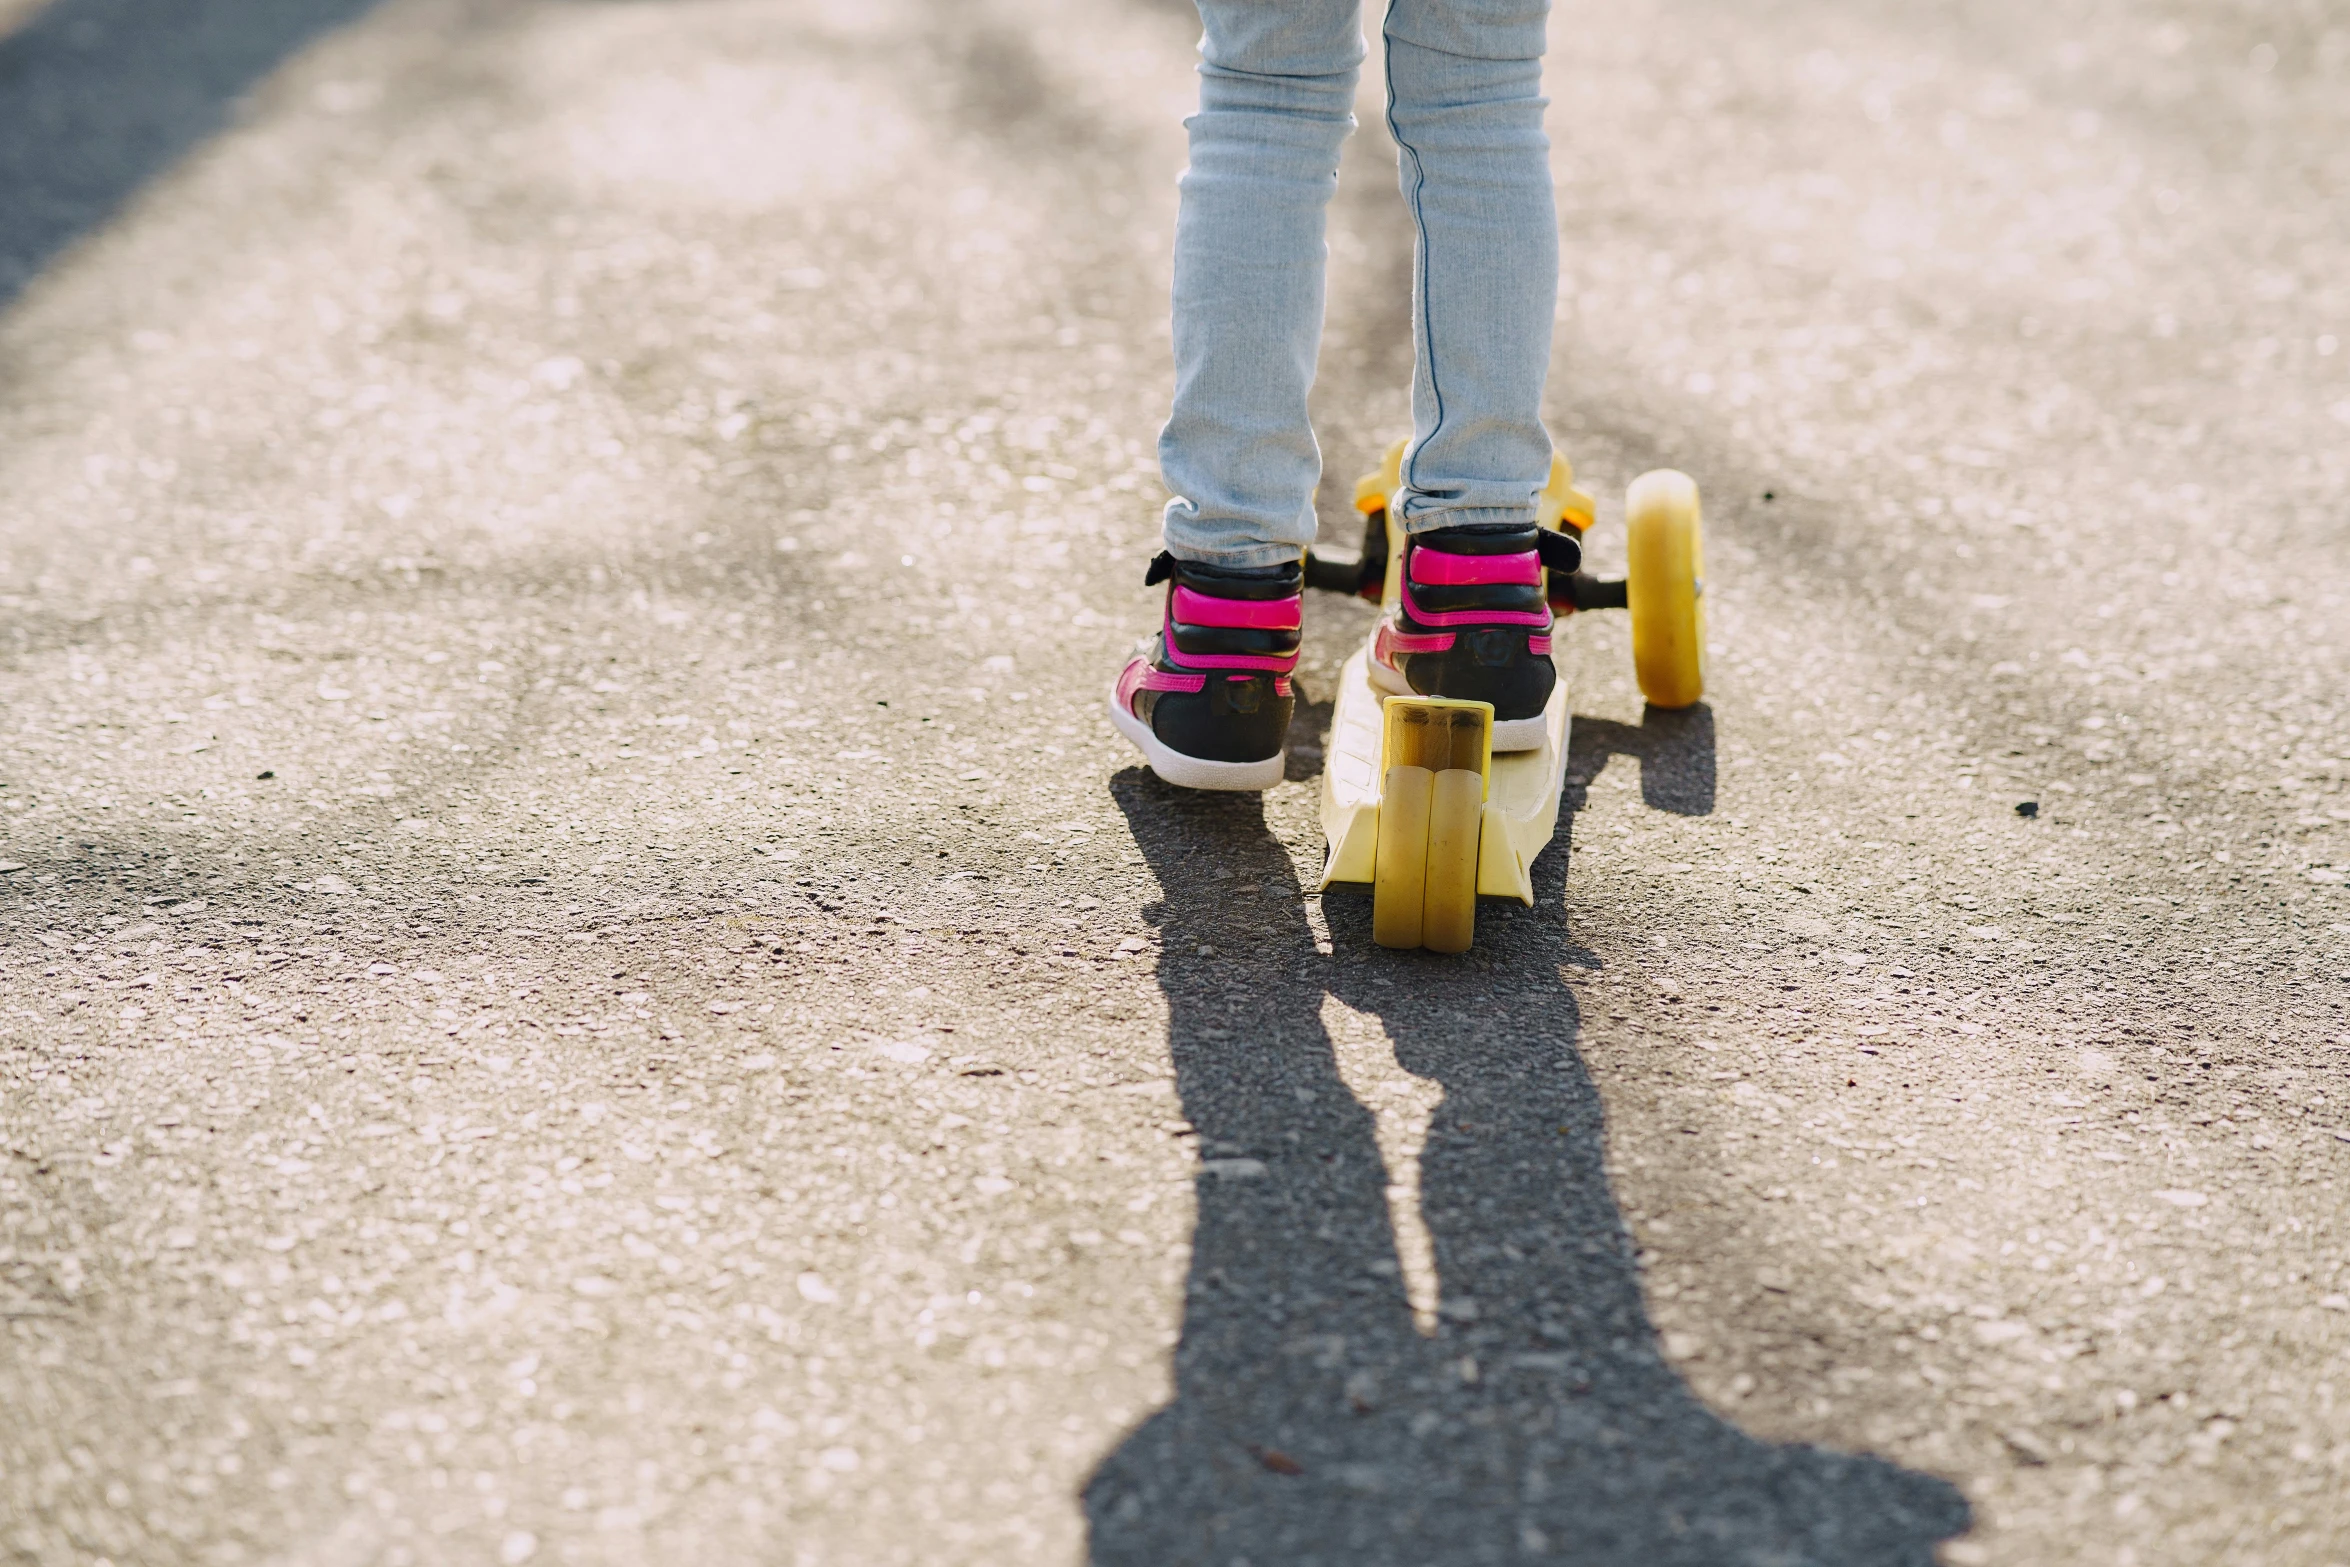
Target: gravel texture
(583, 978)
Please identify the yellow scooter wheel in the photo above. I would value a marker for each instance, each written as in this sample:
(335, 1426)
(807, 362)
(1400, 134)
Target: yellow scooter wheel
(1456, 810)
(1399, 880)
(1665, 587)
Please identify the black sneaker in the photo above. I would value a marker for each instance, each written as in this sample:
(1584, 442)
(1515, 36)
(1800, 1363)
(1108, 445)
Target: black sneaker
(1473, 622)
(1208, 699)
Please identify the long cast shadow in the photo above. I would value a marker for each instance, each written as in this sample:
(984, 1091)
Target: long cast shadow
(1312, 1423)
(97, 97)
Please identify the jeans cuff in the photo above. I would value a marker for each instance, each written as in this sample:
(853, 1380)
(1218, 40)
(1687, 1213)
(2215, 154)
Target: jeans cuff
(1238, 556)
(1463, 516)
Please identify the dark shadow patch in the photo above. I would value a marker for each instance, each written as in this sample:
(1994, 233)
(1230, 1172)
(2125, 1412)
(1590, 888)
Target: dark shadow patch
(1309, 734)
(98, 97)
(1675, 750)
(1000, 85)
(1312, 1422)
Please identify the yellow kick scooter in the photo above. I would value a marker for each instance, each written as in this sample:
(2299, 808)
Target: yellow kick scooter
(1414, 802)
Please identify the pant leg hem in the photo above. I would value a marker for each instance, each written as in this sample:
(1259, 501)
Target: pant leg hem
(1430, 519)
(1244, 557)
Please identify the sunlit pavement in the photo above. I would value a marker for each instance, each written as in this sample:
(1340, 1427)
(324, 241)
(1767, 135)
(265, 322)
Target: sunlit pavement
(583, 979)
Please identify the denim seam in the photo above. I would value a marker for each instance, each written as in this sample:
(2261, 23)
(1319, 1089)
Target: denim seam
(1426, 344)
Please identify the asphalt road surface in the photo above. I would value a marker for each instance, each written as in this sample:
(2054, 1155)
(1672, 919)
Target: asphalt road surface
(583, 979)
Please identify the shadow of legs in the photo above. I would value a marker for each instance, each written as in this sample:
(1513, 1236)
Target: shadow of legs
(1294, 1282)
(1577, 1440)
(1311, 1422)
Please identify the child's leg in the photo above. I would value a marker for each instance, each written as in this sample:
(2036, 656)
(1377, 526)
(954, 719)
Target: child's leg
(1464, 104)
(1277, 83)
(1208, 699)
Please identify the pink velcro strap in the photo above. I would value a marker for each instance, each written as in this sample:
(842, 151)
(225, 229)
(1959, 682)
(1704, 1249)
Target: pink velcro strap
(1538, 646)
(1142, 675)
(1443, 569)
(1204, 609)
(1392, 641)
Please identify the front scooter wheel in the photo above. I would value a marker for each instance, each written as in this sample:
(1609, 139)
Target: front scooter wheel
(1665, 587)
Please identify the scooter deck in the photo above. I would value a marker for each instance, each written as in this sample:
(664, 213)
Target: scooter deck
(1521, 797)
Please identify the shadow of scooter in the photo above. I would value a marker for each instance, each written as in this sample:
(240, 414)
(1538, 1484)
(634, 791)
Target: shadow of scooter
(1313, 1420)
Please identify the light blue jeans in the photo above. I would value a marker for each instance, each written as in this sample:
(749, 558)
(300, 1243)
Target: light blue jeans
(1464, 106)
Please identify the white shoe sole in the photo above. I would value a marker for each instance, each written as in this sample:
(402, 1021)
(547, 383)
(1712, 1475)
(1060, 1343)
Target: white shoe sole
(1192, 772)
(1520, 734)
(1509, 734)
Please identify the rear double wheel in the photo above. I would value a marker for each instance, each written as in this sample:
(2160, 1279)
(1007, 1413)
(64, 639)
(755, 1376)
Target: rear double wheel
(1424, 887)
